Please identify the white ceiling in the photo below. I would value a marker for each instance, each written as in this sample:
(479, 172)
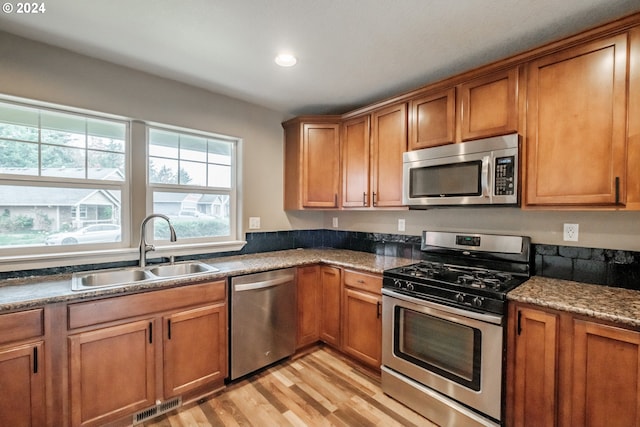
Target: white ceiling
(351, 52)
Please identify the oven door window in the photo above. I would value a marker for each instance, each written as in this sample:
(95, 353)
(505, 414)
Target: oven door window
(448, 180)
(451, 350)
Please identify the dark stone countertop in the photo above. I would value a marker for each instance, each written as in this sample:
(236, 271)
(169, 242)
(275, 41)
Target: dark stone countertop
(600, 302)
(24, 293)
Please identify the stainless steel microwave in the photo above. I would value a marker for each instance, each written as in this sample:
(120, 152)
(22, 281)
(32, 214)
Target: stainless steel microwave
(481, 172)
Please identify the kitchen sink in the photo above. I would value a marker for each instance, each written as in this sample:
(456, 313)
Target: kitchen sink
(107, 278)
(181, 269)
(110, 278)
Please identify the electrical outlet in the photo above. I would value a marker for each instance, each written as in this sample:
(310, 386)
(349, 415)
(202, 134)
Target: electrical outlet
(571, 232)
(254, 222)
(334, 222)
(401, 225)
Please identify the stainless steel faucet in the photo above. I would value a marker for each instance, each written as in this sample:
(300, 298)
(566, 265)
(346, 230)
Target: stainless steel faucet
(146, 247)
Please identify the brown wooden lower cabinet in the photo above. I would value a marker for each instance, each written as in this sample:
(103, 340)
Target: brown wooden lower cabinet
(361, 317)
(567, 370)
(330, 282)
(193, 348)
(22, 369)
(174, 343)
(112, 372)
(22, 385)
(308, 296)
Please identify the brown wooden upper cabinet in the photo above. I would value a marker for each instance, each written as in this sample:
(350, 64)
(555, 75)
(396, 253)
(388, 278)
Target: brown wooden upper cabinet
(479, 108)
(356, 162)
(432, 119)
(576, 125)
(633, 115)
(388, 142)
(488, 106)
(312, 162)
(372, 147)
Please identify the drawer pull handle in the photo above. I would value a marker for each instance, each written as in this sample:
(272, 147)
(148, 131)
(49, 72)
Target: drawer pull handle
(35, 360)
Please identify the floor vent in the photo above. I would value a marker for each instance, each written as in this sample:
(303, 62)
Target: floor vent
(159, 409)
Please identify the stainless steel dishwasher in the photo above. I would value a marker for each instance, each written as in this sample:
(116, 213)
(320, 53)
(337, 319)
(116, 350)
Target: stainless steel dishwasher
(263, 320)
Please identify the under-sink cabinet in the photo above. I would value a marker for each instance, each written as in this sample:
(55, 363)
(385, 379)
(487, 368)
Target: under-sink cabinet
(22, 369)
(130, 352)
(570, 370)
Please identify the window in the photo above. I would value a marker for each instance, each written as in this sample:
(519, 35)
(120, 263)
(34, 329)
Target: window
(63, 178)
(192, 180)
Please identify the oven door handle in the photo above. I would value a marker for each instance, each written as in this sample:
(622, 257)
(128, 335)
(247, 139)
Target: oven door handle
(483, 317)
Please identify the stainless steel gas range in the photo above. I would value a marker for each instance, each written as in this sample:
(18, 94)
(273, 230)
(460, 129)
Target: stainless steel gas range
(443, 326)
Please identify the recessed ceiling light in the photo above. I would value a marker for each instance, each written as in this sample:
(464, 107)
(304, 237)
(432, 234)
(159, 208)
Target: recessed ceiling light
(286, 60)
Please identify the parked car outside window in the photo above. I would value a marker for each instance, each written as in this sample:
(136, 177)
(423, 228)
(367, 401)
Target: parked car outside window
(97, 233)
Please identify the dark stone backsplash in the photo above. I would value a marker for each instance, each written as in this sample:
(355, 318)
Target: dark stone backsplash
(597, 266)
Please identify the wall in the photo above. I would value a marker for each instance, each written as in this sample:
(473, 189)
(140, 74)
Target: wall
(38, 71)
(602, 229)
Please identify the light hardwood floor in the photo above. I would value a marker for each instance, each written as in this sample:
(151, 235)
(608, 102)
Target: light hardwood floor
(320, 388)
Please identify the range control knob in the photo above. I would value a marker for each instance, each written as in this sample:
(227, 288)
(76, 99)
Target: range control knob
(477, 302)
(409, 286)
(460, 298)
(397, 283)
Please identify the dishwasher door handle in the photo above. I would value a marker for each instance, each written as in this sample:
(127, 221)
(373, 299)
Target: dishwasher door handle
(263, 284)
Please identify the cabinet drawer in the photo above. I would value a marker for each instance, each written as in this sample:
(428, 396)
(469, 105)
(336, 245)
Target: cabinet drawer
(366, 282)
(112, 309)
(21, 325)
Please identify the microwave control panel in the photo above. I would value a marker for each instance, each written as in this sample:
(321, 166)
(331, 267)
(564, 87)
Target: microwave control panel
(504, 180)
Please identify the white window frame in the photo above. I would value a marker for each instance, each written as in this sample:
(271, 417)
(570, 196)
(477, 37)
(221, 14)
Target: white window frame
(136, 196)
(204, 244)
(11, 256)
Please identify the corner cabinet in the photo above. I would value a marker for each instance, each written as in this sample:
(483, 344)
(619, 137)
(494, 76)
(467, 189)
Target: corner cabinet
(568, 370)
(576, 125)
(331, 285)
(312, 162)
(308, 301)
(127, 353)
(22, 369)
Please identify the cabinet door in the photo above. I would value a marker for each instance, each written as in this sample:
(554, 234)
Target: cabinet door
(489, 105)
(389, 141)
(633, 153)
(432, 120)
(112, 372)
(22, 399)
(362, 326)
(321, 165)
(536, 359)
(355, 163)
(576, 125)
(195, 348)
(330, 306)
(308, 328)
(606, 375)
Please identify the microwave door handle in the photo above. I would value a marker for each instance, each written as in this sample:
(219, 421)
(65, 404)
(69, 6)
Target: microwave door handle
(486, 177)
